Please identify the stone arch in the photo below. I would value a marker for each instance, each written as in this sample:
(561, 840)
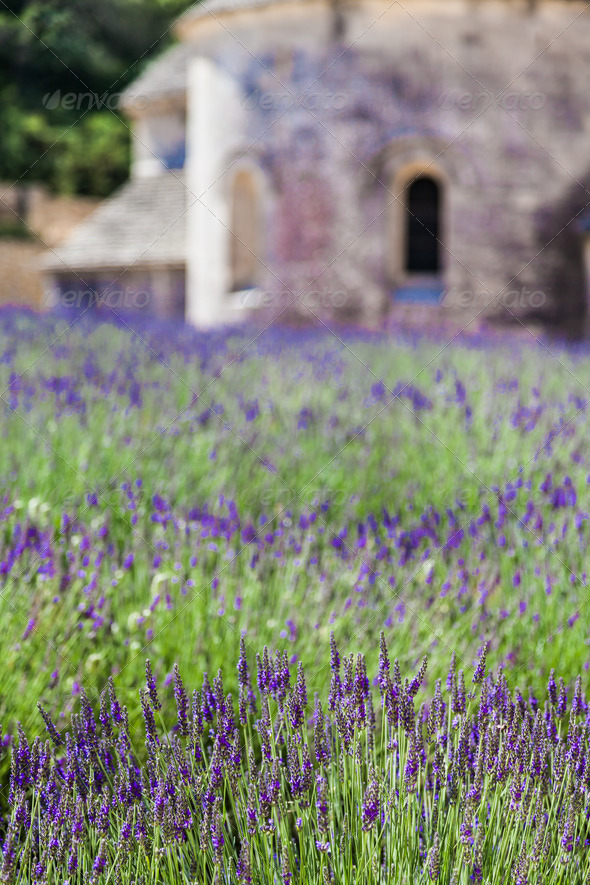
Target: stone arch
(407, 225)
(428, 151)
(246, 229)
(392, 168)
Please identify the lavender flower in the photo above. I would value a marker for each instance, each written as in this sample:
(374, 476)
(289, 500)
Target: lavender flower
(384, 678)
(244, 866)
(334, 657)
(578, 704)
(100, 861)
(477, 871)
(207, 699)
(53, 732)
(321, 804)
(149, 720)
(481, 666)
(321, 734)
(181, 702)
(286, 874)
(419, 678)
(433, 859)
(243, 673)
(552, 688)
(300, 688)
(104, 716)
(116, 713)
(561, 706)
(251, 809)
(151, 687)
(458, 700)
(506, 768)
(217, 837)
(451, 677)
(407, 712)
(264, 672)
(370, 807)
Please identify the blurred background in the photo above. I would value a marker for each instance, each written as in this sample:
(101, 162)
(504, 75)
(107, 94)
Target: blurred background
(58, 158)
(364, 163)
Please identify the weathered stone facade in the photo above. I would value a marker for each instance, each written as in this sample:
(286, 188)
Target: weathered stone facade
(333, 109)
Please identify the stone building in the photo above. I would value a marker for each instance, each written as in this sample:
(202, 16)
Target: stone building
(350, 159)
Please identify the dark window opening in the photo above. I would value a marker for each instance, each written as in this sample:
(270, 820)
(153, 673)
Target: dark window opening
(423, 227)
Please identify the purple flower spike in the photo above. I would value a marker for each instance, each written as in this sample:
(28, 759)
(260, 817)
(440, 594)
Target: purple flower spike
(53, 732)
(116, 713)
(100, 861)
(481, 666)
(244, 866)
(151, 686)
(150, 722)
(242, 665)
(181, 702)
(384, 665)
(552, 688)
(370, 808)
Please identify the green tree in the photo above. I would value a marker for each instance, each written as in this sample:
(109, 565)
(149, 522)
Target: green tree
(85, 48)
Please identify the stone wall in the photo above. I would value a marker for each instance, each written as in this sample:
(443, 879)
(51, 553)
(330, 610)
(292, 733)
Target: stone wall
(47, 220)
(20, 280)
(490, 98)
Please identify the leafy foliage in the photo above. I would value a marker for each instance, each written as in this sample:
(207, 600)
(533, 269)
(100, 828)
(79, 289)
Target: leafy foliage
(80, 47)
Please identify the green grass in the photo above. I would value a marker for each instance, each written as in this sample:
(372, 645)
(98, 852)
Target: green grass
(356, 456)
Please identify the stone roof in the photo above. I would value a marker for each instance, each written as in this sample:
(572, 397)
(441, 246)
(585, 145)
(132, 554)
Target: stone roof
(142, 224)
(219, 7)
(165, 77)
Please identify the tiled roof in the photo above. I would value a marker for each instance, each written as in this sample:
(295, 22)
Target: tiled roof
(165, 77)
(142, 224)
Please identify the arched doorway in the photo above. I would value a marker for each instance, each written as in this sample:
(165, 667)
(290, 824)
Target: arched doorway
(245, 231)
(423, 208)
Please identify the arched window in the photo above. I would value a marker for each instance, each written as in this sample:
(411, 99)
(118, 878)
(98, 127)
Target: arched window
(245, 232)
(423, 226)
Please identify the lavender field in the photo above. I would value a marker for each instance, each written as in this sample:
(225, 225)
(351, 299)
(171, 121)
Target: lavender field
(377, 545)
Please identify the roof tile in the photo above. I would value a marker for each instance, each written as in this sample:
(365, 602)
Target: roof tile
(143, 223)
